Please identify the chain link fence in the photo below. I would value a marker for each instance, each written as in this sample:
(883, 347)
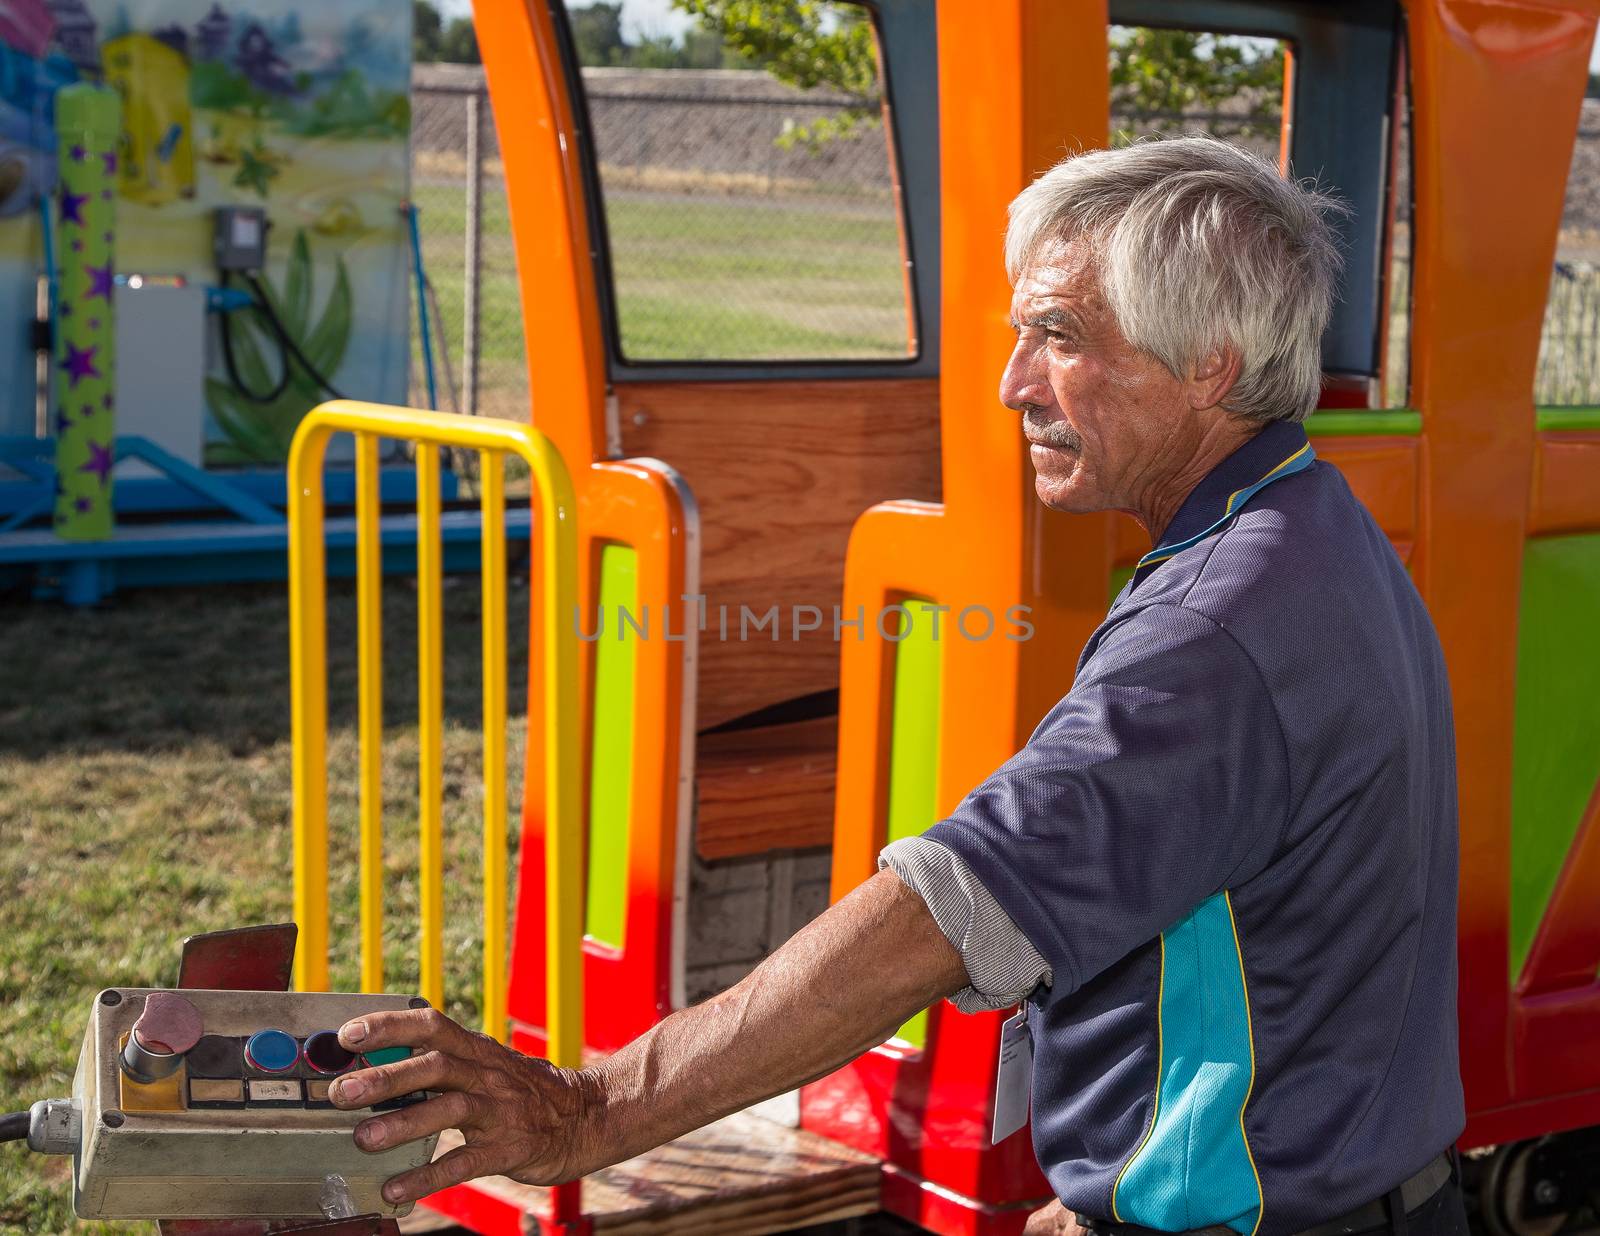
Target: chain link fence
(733, 238)
(458, 187)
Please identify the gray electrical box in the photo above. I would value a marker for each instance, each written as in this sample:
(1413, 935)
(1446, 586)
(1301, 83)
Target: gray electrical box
(239, 239)
(233, 1121)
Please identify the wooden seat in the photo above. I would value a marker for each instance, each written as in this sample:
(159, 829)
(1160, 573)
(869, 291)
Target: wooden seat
(765, 788)
(742, 1175)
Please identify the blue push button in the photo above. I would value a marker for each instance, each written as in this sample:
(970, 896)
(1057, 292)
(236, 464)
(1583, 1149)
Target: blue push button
(272, 1051)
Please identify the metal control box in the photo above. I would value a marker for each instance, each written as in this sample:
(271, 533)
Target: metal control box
(227, 1134)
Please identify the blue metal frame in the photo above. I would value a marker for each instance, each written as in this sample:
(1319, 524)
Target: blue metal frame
(190, 551)
(153, 495)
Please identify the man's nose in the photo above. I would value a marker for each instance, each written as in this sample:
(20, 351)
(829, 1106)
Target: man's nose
(1024, 381)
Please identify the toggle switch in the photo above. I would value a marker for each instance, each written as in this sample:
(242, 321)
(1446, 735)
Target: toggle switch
(167, 1028)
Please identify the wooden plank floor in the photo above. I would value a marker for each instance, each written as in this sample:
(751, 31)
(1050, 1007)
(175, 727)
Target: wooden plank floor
(741, 1176)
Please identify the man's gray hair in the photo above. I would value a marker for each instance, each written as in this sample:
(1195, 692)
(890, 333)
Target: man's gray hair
(1198, 245)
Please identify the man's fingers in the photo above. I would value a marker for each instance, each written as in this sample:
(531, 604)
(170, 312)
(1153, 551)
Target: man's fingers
(462, 1163)
(415, 1028)
(432, 1070)
(448, 1111)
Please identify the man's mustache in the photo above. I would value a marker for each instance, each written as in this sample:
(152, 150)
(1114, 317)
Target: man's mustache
(1039, 428)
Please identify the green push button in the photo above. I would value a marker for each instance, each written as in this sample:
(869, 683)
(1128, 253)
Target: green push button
(385, 1055)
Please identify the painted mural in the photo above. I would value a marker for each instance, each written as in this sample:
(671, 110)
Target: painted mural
(302, 109)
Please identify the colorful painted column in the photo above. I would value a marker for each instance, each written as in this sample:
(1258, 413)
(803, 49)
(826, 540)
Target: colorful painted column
(88, 123)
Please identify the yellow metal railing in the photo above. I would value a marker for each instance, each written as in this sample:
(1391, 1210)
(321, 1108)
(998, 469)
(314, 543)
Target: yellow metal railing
(555, 526)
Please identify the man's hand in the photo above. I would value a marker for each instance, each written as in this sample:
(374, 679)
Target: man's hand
(838, 988)
(520, 1117)
(1053, 1220)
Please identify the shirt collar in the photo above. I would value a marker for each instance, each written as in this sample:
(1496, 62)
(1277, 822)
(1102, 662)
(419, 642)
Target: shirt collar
(1272, 448)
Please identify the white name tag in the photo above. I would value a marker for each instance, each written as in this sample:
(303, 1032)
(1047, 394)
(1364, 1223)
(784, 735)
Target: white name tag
(1013, 1081)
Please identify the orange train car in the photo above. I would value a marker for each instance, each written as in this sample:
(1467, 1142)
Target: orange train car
(717, 486)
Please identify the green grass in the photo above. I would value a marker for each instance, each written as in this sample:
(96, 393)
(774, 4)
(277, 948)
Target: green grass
(718, 278)
(145, 795)
(699, 277)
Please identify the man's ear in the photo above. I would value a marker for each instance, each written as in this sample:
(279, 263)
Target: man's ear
(1213, 377)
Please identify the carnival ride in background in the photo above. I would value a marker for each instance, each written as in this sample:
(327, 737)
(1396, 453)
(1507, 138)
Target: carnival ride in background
(869, 484)
(204, 231)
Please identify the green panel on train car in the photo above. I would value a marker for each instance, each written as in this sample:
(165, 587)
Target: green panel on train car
(1567, 418)
(914, 741)
(1370, 422)
(1556, 754)
(611, 772)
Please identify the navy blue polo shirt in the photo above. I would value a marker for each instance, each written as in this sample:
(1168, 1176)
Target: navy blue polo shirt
(1235, 842)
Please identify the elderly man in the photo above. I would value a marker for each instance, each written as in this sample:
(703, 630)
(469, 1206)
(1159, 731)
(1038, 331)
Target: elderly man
(1222, 872)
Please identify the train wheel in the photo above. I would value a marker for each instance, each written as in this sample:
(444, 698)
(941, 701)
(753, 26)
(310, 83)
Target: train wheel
(1541, 1187)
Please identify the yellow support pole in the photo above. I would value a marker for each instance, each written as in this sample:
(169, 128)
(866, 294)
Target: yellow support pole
(308, 707)
(555, 525)
(556, 528)
(369, 651)
(492, 539)
(430, 722)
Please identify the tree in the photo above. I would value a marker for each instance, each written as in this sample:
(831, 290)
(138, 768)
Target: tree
(460, 43)
(807, 44)
(1167, 76)
(1170, 73)
(427, 29)
(597, 32)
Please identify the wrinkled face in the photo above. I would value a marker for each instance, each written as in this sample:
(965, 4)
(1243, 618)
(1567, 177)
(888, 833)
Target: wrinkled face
(1106, 422)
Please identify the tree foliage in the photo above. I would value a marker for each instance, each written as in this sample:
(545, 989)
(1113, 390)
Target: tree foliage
(1174, 79)
(432, 40)
(597, 33)
(427, 27)
(807, 44)
(1160, 75)
(1166, 79)
(600, 41)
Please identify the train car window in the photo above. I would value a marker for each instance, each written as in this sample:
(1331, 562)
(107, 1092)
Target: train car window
(1166, 82)
(1569, 348)
(750, 200)
(1338, 72)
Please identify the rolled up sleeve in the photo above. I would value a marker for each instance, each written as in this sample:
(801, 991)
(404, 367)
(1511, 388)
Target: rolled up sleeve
(1002, 966)
(1158, 781)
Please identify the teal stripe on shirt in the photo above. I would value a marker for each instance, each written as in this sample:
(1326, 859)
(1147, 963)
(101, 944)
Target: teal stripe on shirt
(1194, 1168)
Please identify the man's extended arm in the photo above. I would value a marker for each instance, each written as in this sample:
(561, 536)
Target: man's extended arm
(841, 986)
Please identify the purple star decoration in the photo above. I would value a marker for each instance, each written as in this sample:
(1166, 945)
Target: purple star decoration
(71, 204)
(100, 280)
(110, 158)
(79, 363)
(78, 153)
(63, 421)
(100, 461)
(81, 504)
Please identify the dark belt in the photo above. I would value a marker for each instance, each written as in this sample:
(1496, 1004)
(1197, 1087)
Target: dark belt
(1377, 1213)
